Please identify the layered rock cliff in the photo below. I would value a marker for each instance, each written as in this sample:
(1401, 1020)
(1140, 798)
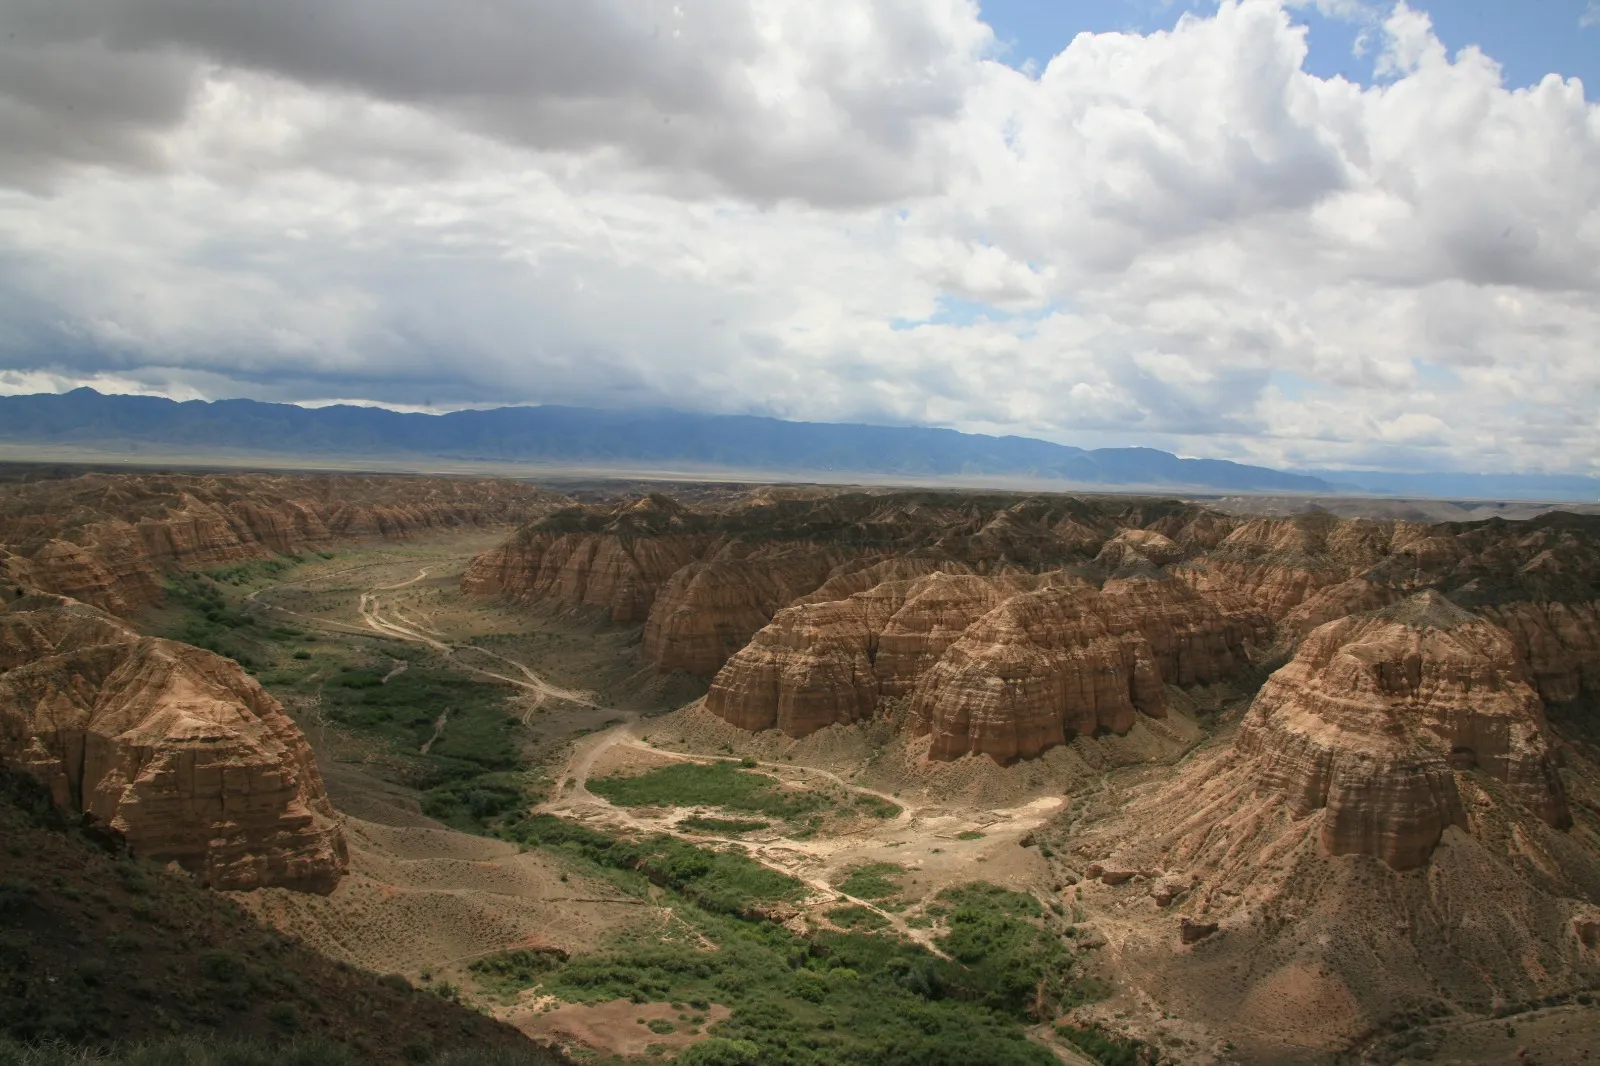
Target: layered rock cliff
(1037, 670)
(1387, 832)
(826, 662)
(174, 748)
(709, 609)
(705, 581)
(1376, 716)
(107, 539)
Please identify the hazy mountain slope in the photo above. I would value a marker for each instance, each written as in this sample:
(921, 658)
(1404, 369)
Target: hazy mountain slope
(577, 434)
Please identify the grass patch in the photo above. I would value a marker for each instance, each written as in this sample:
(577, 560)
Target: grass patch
(854, 998)
(855, 916)
(982, 895)
(878, 880)
(506, 972)
(719, 784)
(731, 826)
(876, 807)
(723, 882)
(1107, 1048)
(969, 834)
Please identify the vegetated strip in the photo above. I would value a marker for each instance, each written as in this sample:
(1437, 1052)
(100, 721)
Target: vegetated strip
(828, 997)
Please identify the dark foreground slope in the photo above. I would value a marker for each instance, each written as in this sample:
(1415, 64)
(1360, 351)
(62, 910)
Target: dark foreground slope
(99, 949)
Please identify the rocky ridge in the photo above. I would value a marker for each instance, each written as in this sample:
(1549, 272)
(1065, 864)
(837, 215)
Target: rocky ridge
(704, 581)
(108, 539)
(799, 610)
(1377, 715)
(1388, 831)
(177, 751)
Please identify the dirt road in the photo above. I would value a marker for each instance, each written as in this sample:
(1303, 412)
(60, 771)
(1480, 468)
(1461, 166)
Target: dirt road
(784, 855)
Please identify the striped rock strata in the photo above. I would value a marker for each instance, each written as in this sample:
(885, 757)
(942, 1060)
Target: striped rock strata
(1376, 716)
(174, 748)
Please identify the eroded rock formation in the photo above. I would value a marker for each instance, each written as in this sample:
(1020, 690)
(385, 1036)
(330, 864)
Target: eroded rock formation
(1377, 713)
(705, 581)
(176, 749)
(709, 609)
(1037, 670)
(107, 539)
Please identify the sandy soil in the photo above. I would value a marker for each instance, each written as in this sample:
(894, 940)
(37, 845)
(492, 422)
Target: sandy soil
(926, 840)
(618, 1028)
(421, 897)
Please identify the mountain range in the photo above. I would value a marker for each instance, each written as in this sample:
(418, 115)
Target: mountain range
(664, 439)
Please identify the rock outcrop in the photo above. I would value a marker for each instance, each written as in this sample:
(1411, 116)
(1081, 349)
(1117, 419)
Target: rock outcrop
(707, 610)
(947, 639)
(1377, 714)
(1037, 670)
(705, 581)
(1191, 641)
(108, 539)
(174, 748)
(936, 611)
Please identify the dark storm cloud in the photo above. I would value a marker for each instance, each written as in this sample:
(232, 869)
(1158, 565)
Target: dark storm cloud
(695, 90)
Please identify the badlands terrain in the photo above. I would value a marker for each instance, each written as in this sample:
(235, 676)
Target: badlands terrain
(728, 773)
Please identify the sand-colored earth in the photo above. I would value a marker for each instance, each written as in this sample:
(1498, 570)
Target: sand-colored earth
(426, 898)
(620, 1027)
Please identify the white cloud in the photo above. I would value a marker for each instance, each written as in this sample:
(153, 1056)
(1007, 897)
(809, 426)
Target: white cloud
(1590, 16)
(1182, 240)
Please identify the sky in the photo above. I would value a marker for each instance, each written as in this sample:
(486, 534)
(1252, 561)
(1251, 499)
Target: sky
(1302, 233)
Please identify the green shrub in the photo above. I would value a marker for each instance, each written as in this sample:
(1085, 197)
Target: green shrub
(719, 784)
(512, 971)
(878, 880)
(850, 998)
(1106, 1048)
(876, 807)
(855, 916)
(700, 823)
(721, 881)
(719, 1052)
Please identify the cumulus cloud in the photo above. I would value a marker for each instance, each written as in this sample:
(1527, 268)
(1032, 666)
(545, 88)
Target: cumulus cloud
(1180, 239)
(766, 101)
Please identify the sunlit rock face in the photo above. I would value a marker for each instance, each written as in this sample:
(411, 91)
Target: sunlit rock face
(1376, 715)
(1037, 670)
(176, 749)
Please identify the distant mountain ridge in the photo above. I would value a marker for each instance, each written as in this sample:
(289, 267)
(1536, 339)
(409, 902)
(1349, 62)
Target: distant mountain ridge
(553, 434)
(647, 438)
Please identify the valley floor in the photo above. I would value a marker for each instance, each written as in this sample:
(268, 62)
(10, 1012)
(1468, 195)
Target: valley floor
(442, 722)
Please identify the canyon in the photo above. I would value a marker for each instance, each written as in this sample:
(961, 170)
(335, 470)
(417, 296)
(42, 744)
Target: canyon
(110, 539)
(1277, 780)
(176, 751)
(1010, 625)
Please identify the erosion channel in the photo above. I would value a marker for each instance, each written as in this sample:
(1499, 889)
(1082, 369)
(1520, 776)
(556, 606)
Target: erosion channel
(537, 829)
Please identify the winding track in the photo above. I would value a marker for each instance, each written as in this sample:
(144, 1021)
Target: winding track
(575, 797)
(400, 627)
(571, 794)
